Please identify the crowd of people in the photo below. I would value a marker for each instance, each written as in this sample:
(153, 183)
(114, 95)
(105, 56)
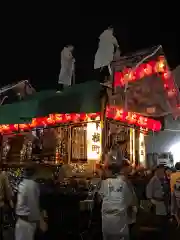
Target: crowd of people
(28, 215)
(124, 192)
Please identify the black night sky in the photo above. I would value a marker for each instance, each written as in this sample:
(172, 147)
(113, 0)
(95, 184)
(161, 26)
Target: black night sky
(32, 44)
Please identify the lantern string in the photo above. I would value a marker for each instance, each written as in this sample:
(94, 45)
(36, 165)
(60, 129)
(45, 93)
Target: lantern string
(140, 62)
(136, 66)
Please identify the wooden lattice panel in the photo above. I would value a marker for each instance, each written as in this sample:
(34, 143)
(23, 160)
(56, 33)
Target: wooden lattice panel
(79, 145)
(62, 144)
(15, 143)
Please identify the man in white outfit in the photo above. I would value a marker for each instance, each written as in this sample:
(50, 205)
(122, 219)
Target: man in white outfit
(117, 203)
(105, 53)
(27, 208)
(67, 66)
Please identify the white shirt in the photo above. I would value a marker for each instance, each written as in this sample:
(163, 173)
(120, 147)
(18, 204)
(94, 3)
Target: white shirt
(117, 197)
(105, 53)
(67, 66)
(154, 190)
(28, 200)
(116, 194)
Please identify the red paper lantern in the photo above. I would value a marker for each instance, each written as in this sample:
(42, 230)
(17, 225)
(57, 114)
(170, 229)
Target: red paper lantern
(133, 118)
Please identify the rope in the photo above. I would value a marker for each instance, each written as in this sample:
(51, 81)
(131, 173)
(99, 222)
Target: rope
(172, 130)
(140, 62)
(9, 87)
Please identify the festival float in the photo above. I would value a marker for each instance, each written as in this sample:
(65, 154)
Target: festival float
(70, 131)
(77, 139)
(76, 126)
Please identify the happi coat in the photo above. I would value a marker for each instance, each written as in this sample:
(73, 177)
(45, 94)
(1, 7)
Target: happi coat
(105, 53)
(67, 67)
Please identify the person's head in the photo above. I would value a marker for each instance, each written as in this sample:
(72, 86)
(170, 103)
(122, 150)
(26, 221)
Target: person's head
(114, 147)
(70, 47)
(126, 167)
(110, 28)
(160, 171)
(122, 144)
(29, 172)
(177, 166)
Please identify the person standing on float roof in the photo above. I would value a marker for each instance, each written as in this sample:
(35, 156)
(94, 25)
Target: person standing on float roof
(67, 66)
(104, 56)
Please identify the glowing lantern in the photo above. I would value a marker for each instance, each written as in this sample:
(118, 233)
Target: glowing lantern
(161, 64)
(50, 120)
(148, 69)
(58, 118)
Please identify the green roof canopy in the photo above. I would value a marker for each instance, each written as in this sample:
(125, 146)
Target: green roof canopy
(79, 98)
(23, 111)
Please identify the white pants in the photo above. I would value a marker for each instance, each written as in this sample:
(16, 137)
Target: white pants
(115, 227)
(24, 230)
(114, 237)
